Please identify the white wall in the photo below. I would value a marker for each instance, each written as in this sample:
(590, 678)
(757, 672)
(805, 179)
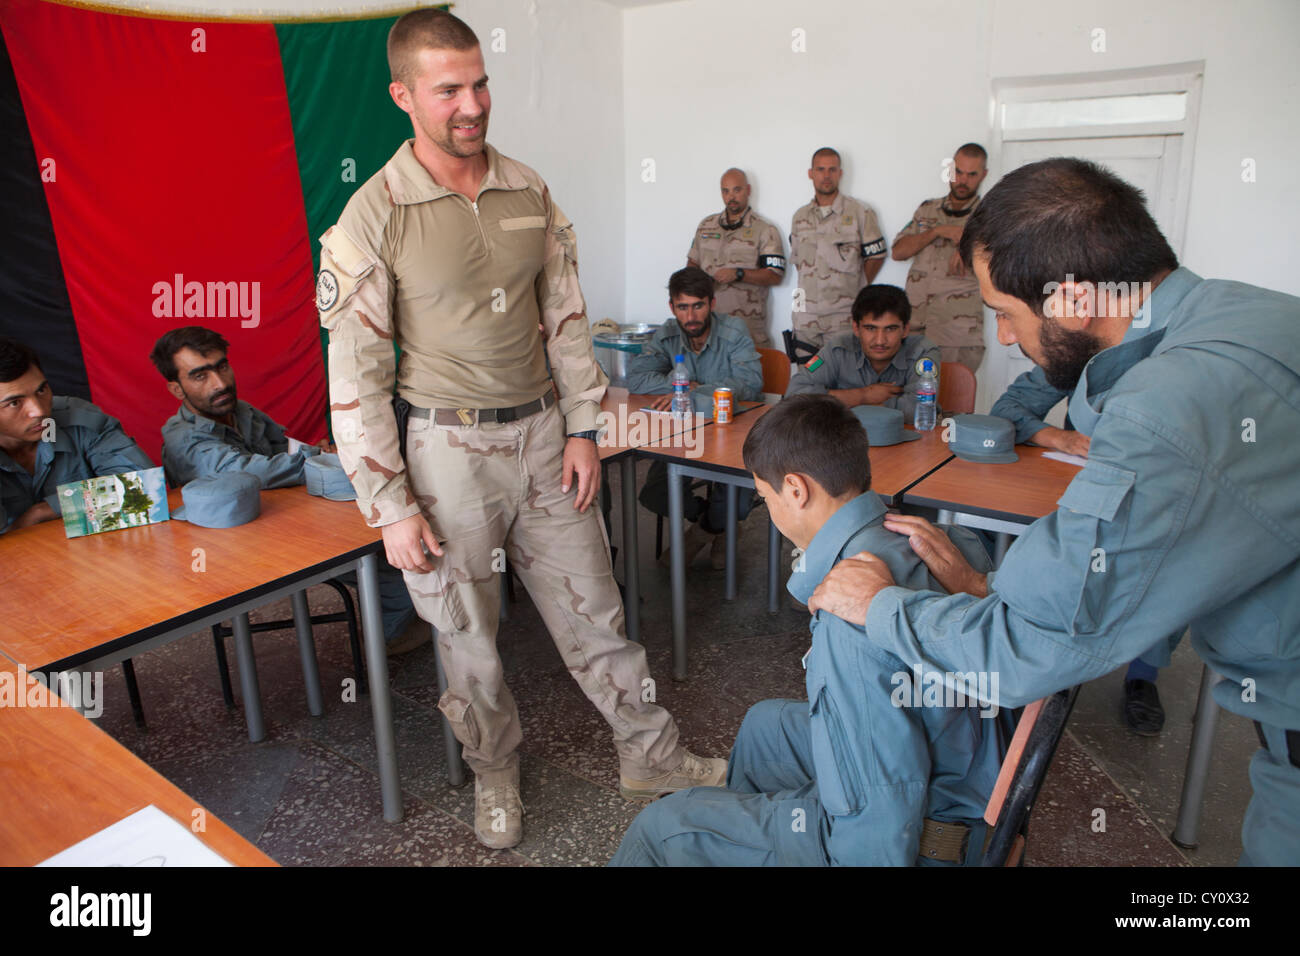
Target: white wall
(895, 87)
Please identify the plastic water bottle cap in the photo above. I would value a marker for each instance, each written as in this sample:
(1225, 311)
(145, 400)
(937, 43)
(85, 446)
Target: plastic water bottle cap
(927, 365)
(679, 358)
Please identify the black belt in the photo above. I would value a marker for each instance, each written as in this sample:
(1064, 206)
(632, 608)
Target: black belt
(484, 416)
(1292, 743)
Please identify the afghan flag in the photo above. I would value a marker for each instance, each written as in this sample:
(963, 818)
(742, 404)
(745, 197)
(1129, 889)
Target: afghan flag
(158, 173)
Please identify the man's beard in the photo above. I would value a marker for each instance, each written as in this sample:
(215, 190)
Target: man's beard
(205, 407)
(445, 139)
(1065, 354)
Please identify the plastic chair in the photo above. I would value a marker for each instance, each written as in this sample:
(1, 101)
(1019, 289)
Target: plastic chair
(956, 388)
(1023, 770)
(776, 371)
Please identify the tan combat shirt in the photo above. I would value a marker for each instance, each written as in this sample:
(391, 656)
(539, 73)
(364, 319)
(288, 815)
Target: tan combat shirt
(829, 251)
(754, 244)
(946, 308)
(460, 286)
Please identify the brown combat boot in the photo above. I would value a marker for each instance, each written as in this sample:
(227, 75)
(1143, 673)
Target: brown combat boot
(693, 772)
(498, 814)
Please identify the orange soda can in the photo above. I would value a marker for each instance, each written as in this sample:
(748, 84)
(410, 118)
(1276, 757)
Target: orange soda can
(722, 406)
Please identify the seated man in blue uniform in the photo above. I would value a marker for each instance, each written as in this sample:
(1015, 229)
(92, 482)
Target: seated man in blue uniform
(1025, 404)
(1189, 393)
(213, 432)
(882, 765)
(876, 363)
(48, 440)
(718, 352)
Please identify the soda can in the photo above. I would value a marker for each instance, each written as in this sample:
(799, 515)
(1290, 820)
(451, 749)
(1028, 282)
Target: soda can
(722, 406)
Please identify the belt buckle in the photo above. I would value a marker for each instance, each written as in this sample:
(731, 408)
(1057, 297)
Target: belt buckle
(466, 416)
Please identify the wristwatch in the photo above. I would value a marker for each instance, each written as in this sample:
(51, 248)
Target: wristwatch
(740, 275)
(592, 435)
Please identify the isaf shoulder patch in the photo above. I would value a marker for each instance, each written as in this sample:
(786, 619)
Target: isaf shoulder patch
(327, 291)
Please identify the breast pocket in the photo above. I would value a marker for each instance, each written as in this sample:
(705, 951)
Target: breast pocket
(839, 253)
(520, 240)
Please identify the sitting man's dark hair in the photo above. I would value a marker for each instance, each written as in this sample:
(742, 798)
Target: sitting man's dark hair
(692, 281)
(1064, 217)
(194, 337)
(15, 359)
(812, 435)
(876, 300)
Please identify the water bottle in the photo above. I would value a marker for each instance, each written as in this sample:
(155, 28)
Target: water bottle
(927, 394)
(681, 407)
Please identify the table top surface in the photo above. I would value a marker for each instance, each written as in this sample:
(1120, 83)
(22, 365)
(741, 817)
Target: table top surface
(1025, 490)
(893, 467)
(62, 779)
(66, 596)
(634, 427)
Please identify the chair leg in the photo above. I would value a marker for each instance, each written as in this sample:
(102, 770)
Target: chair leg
(223, 667)
(659, 535)
(354, 640)
(133, 692)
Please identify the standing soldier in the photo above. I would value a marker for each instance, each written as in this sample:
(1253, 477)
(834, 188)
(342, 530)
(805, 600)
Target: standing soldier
(945, 296)
(837, 246)
(456, 253)
(743, 253)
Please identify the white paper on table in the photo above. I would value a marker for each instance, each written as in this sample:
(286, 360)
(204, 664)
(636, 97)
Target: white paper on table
(147, 837)
(1068, 459)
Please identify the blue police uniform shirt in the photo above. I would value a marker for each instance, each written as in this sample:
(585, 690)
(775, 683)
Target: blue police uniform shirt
(841, 363)
(881, 767)
(87, 444)
(195, 447)
(1186, 511)
(728, 360)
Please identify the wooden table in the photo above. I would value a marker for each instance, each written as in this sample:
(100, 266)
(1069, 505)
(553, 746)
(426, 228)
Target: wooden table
(1020, 492)
(719, 457)
(86, 603)
(62, 779)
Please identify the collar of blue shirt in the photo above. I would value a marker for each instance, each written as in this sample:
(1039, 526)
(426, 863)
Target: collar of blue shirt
(1143, 335)
(829, 543)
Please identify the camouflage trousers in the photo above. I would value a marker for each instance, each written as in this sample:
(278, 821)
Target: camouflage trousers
(492, 492)
(814, 329)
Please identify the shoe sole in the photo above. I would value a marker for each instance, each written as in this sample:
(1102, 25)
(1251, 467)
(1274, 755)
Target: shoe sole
(497, 846)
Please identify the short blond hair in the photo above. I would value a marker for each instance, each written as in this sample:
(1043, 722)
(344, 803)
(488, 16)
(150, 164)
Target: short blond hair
(424, 30)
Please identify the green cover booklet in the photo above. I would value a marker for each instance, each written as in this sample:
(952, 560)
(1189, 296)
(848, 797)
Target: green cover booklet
(113, 502)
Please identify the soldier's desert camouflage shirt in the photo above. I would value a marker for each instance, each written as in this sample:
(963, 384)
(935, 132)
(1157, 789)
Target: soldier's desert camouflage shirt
(946, 308)
(753, 244)
(828, 250)
(460, 286)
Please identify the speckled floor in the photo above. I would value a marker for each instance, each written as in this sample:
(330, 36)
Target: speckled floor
(309, 794)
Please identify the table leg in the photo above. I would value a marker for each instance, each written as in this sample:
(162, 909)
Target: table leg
(381, 701)
(733, 493)
(1001, 547)
(677, 544)
(307, 652)
(248, 678)
(631, 569)
(773, 566)
(455, 766)
(1198, 762)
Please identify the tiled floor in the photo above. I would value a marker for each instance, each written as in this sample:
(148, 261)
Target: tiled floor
(309, 794)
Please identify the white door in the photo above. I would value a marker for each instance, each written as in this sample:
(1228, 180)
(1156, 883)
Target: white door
(1150, 163)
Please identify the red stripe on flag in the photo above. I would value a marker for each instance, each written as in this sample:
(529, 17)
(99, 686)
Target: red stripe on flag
(173, 156)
